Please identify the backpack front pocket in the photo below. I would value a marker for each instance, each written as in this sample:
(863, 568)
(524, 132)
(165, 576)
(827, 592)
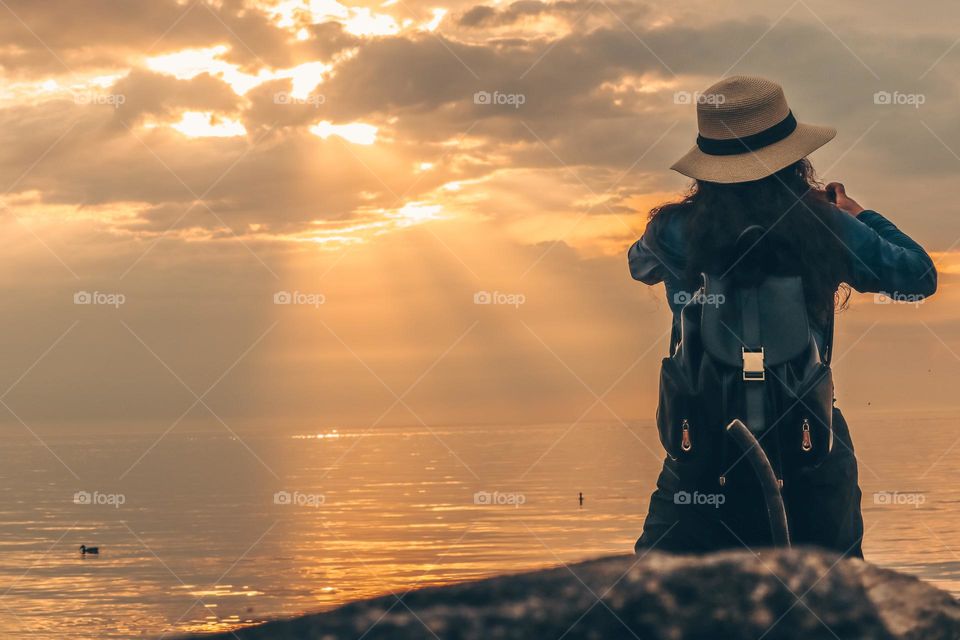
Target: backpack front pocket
(679, 414)
(807, 436)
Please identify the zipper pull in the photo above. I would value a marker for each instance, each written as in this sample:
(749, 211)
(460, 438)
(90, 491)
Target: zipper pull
(685, 442)
(806, 443)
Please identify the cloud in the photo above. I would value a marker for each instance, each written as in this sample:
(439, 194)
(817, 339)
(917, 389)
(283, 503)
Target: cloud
(486, 16)
(145, 93)
(592, 105)
(63, 36)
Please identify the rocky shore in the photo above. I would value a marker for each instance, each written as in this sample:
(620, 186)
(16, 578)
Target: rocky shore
(784, 594)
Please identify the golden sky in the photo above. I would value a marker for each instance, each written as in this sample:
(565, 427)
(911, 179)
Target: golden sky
(385, 163)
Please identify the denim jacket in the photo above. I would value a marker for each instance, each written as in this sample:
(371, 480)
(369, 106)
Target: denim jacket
(881, 259)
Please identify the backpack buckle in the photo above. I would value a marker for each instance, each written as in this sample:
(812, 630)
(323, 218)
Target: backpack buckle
(753, 365)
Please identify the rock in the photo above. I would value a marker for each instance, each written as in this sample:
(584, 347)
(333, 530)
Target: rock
(784, 594)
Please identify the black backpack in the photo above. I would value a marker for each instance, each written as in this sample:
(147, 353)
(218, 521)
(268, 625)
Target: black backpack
(747, 353)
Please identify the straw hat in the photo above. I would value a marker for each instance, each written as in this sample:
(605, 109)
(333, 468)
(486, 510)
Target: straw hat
(747, 132)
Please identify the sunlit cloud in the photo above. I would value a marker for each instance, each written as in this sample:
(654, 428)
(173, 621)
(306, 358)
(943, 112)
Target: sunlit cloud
(199, 124)
(304, 77)
(359, 21)
(363, 22)
(30, 208)
(416, 213)
(372, 222)
(76, 87)
(355, 132)
(438, 15)
(189, 63)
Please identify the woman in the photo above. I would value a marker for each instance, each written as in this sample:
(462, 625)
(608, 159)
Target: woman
(750, 168)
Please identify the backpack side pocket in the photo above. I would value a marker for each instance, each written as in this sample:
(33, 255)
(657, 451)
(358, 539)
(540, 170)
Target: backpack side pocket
(679, 414)
(808, 426)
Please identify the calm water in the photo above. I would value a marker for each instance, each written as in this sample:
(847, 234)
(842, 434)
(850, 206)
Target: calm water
(193, 537)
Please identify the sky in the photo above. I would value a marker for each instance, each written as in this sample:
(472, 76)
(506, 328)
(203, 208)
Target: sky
(261, 215)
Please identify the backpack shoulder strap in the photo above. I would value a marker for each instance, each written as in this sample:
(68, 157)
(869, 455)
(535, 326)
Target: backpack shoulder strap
(828, 339)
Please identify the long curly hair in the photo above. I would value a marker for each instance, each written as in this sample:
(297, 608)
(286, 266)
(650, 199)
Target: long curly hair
(797, 238)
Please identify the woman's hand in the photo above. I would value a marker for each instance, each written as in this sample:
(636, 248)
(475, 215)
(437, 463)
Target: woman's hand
(838, 196)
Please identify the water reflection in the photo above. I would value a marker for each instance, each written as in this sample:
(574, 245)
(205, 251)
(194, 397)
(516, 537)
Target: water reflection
(207, 539)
